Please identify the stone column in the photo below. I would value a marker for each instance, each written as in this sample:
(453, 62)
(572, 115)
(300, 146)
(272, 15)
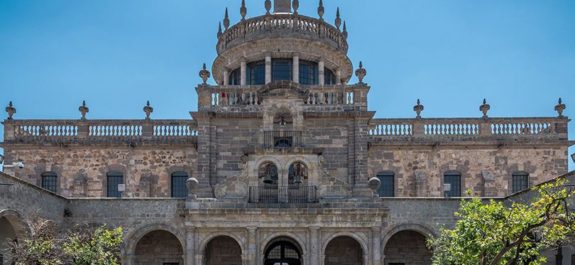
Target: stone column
(226, 77)
(338, 77)
(376, 247)
(190, 255)
(295, 71)
(268, 69)
(252, 246)
(243, 76)
(321, 70)
(314, 246)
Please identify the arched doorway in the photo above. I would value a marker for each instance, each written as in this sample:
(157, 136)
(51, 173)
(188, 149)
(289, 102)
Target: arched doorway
(283, 251)
(159, 247)
(7, 235)
(223, 250)
(407, 247)
(343, 250)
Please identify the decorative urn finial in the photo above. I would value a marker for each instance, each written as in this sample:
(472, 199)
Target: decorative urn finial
(295, 6)
(226, 20)
(337, 19)
(484, 108)
(344, 32)
(83, 110)
(10, 109)
(243, 10)
(560, 107)
(148, 110)
(204, 74)
(268, 5)
(320, 10)
(360, 72)
(418, 109)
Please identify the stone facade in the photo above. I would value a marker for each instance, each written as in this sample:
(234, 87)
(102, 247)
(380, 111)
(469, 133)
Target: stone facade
(277, 169)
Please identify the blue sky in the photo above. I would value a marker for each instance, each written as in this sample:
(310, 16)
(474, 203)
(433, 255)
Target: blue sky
(116, 54)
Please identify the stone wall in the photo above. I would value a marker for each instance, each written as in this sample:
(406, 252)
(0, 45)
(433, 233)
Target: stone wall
(485, 170)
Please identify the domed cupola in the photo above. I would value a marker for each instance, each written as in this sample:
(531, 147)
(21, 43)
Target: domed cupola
(282, 45)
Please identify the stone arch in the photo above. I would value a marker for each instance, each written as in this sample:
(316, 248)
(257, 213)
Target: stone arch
(12, 228)
(407, 241)
(132, 239)
(17, 221)
(304, 170)
(283, 249)
(298, 240)
(234, 250)
(359, 259)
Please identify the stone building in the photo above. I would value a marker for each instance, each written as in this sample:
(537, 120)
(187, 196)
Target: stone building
(282, 162)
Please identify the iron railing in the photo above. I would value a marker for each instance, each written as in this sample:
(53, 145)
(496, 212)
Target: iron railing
(283, 194)
(283, 139)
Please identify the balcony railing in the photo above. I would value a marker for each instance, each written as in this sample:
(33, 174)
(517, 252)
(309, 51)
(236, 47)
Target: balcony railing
(283, 194)
(283, 139)
(467, 127)
(74, 130)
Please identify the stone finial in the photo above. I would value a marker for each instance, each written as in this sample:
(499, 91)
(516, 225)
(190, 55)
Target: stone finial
(83, 110)
(226, 20)
(268, 5)
(243, 10)
(204, 74)
(560, 107)
(337, 19)
(320, 10)
(10, 109)
(295, 6)
(344, 32)
(374, 184)
(418, 109)
(220, 30)
(148, 110)
(192, 184)
(360, 72)
(484, 108)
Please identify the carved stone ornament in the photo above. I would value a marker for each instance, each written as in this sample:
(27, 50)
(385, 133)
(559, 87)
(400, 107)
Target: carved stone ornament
(10, 109)
(192, 184)
(360, 72)
(418, 108)
(83, 110)
(204, 74)
(148, 110)
(484, 108)
(560, 107)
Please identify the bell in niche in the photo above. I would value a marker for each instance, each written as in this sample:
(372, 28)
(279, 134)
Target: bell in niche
(268, 179)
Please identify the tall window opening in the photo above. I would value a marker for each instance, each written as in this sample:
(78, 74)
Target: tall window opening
(282, 69)
(115, 183)
(179, 189)
(387, 187)
(308, 73)
(519, 181)
(452, 184)
(329, 77)
(50, 181)
(256, 73)
(235, 77)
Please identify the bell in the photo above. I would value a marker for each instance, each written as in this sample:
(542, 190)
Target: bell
(297, 180)
(268, 179)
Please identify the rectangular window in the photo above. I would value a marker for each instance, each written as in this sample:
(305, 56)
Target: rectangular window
(387, 188)
(308, 73)
(50, 182)
(256, 73)
(113, 181)
(179, 189)
(520, 181)
(452, 184)
(281, 69)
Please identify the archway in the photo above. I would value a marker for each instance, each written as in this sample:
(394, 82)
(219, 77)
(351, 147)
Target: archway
(407, 247)
(7, 235)
(269, 182)
(343, 250)
(223, 250)
(159, 247)
(283, 251)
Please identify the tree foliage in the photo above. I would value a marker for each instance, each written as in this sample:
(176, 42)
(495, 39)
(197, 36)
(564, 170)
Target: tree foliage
(82, 245)
(493, 233)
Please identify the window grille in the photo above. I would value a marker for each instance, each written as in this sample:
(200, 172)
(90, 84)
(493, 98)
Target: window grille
(179, 189)
(387, 187)
(520, 181)
(50, 182)
(453, 182)
(113, 180)
(308, 73)
(281, 69)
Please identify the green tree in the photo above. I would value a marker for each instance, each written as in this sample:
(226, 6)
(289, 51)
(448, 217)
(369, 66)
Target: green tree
(493, 233)
(101, 247)
(40, 248)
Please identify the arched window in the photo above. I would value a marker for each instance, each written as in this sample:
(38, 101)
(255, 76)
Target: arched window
(282, 69)
(329, 77)
(179, 189)
(297, 173)
(268, 174)
(114, 184)
(235, 77)
(50, 181)
(256, 73)
(519, 181)
(387, 187)
(308, 73)
(452, 184)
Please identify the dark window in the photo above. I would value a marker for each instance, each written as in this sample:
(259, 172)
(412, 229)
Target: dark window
(50, 181)
(281, 69)
(1, 258)
(520, 181)
(235, 77)
(329, 77)
(308, 73)
(452, 184)
(179, 189)
(114, 179)
(283, 142)
(256, 73)
(387, 188)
